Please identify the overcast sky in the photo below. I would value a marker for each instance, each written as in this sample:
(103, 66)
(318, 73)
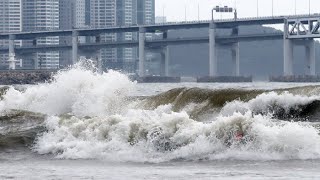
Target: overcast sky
(174, 10)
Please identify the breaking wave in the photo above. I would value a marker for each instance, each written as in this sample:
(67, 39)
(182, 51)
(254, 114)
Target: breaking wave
(82, 114)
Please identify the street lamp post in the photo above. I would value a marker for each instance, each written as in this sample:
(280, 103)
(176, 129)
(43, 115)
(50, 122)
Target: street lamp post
(295, 7)
(257, 8)
(309, 7)
(272, 8)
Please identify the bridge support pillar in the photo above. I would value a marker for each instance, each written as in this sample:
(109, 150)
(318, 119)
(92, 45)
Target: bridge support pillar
(236, 59)
(213, 61)
(142, 32)
(162, 63)
(166, 62)
(75, 35)
(12, 63)
(311, 58)
(288, 57)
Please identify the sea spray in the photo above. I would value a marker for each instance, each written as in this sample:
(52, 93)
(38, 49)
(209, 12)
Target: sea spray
(93, 116)
(78, 91)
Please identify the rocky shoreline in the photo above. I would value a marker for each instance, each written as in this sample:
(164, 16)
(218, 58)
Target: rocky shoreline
(25, 76)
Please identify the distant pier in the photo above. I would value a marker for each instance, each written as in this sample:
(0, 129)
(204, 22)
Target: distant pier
(158, 79)
(222, 79)
(295, 78)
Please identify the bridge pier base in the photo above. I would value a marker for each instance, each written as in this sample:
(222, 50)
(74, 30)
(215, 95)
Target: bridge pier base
(213, 61)
(288, 57)
(142, 32)
(310, 58)
(235, 51)
(75, 47)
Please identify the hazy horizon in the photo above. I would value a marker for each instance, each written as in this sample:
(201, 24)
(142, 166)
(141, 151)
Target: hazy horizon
(175, 10)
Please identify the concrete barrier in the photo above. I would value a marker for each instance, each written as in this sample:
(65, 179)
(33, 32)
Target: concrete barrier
(158, 79)
(222, 79)
(297, 78)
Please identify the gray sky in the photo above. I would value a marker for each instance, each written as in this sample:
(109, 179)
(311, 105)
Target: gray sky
(174, 10)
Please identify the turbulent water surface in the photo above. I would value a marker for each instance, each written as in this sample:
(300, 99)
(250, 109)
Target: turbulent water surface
(86, 125)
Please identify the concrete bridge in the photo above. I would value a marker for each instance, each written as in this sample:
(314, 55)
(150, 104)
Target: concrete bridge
(298, 30)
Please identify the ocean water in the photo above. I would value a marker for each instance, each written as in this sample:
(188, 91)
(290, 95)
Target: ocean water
(86, 125)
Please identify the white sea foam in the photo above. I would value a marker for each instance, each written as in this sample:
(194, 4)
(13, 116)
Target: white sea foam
(78, 91)
(101, 124)
(159, 135)
(265, 101)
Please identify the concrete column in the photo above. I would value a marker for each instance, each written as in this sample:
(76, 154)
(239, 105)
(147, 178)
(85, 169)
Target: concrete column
(236, 59)
(288, 57)
(310, 58)
(142, 34)
(12, 37)
(99, 61)
(11, 60)
(166, 62)
(213, 62)
(75, 35)
(162, 63)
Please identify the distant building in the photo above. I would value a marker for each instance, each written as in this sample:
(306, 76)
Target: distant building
(10, 21)
(74, 14)
(118, 13)
(41, 15)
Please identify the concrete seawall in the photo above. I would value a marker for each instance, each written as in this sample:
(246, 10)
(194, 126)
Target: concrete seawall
(25, 76)
(224, 79)
(301, 78)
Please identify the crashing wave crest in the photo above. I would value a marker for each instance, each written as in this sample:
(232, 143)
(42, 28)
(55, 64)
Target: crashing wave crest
(85, 115)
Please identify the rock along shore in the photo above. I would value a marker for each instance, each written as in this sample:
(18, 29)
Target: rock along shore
(10, 77)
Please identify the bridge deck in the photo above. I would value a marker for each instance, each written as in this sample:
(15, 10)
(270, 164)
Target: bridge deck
(225, 23)
(152, 43)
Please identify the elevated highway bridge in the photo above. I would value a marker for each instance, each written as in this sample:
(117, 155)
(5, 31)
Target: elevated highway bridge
(304, 28)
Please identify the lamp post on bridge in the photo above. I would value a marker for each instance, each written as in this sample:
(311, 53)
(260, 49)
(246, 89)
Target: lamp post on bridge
(257, 8)
(272, 8)
(309, 7)
(295, 7)
(219, 9)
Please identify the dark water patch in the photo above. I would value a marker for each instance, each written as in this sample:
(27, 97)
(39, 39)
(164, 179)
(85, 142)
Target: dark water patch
(309, 112)
(20, 127)
(3, 90)
(208, 100)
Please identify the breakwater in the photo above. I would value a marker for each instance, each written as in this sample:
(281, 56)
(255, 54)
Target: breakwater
(9, 77)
